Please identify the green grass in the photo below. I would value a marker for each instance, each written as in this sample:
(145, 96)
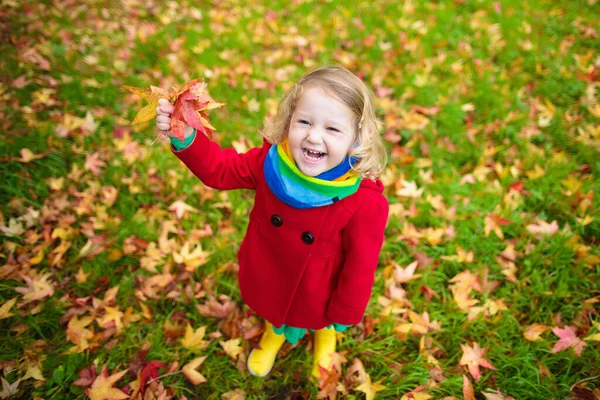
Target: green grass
(505, 59)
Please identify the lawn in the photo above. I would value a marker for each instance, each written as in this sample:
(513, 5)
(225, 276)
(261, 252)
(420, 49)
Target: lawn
(118, 268)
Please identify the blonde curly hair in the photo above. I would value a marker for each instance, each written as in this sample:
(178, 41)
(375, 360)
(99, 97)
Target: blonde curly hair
(350, 90)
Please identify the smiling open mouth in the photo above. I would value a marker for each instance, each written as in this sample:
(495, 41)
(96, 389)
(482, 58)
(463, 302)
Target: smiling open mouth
(313, 155)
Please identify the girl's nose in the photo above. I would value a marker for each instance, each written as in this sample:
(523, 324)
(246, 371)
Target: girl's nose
(314, 135)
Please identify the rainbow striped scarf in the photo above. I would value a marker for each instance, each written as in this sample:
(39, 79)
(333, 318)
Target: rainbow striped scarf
(297, 190)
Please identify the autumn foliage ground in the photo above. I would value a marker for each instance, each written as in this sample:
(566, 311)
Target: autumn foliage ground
(118, 268)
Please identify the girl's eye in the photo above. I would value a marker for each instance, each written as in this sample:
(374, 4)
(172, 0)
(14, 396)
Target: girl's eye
(333, 129)
(303, 121)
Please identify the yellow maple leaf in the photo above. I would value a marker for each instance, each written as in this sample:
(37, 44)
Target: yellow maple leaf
(232, 347)
(194, 340)
(112, 314)
(5, 308)
(534, 331)
(192, 259)
(148, 112)
(416, 396)
(77, 332)
(81, 276)
(189, 370)
(102, 387)
(369, 389)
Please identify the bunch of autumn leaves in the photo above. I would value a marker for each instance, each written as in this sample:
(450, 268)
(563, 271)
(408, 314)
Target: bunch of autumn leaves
(191, 103)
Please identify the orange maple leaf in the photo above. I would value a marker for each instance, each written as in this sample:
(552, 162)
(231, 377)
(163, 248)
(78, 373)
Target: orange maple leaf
(473, 358)
(102, 387)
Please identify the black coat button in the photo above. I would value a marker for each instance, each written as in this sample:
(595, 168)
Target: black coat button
(276, 220)
(308, 238)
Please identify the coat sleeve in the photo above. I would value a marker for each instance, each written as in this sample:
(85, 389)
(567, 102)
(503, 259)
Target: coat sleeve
(362, 240)
(223, 169)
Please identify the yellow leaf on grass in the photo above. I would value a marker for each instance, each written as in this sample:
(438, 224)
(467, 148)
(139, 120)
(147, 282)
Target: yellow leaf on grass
(534, 331)
(5, 309)
(369, 389)
(189, 370)
(38, 258)
(594, 337)
(232, 347)
(416, 396)
(81, 276)
(102, 387)
(194, 340)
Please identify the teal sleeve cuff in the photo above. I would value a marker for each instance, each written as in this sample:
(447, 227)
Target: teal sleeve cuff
(340, 327)
(179, 145)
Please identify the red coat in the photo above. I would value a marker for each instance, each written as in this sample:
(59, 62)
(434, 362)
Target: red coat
(304, 268)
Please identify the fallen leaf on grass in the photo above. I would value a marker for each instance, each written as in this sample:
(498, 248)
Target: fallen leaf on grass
(473, 358)
(194, 340)
(102, 387)
(468, 393)
(28, 156)
(534, 331)
(568, 338)
(189, 370)
(37, 288)
(5, 309)
(236, 394)
(403, 275)
(416, 396)
(232, 347)
(180, 208)
(8, 389)
(369, 388)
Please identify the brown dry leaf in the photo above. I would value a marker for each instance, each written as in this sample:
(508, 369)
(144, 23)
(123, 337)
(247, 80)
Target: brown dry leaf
(189, 370)
(216, 308)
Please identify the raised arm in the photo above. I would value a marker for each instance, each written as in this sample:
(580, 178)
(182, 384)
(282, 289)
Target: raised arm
(216, 167)
(223, 169)
(362, 241)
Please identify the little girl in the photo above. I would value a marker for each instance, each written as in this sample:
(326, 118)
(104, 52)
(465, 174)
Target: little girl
(309, 255)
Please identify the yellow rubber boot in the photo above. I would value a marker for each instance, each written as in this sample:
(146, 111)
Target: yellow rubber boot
(261, 360)
(324, 346)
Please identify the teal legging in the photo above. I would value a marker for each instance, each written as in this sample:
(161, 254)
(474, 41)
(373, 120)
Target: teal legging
(293, 335)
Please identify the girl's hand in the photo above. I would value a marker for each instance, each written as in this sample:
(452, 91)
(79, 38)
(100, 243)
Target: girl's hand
(163, 119)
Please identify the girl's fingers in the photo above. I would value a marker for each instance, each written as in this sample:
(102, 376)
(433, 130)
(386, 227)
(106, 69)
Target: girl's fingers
(163, 118)
(163, 127)
(164, 106)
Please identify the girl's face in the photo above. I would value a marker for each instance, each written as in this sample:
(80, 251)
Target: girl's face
(322, 129)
